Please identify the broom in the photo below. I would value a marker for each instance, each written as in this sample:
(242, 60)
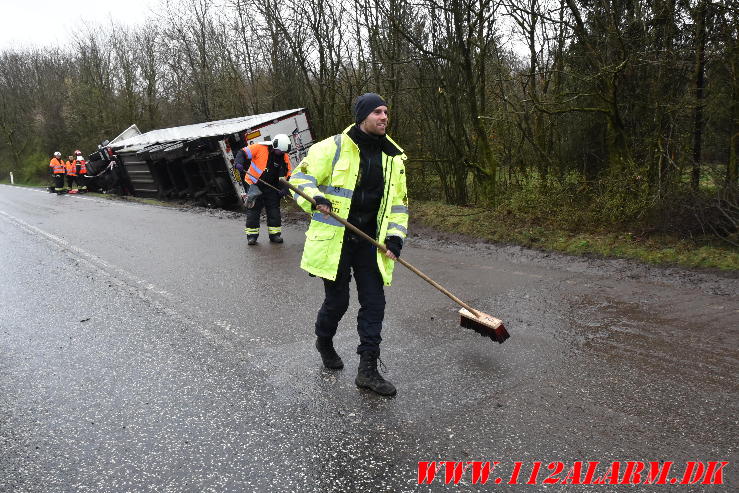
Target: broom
(482, 323)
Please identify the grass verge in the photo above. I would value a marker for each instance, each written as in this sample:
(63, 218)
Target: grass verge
(25, 185)
(504, 228)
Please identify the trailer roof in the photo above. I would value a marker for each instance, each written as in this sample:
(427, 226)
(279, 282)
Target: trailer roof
(199, 130)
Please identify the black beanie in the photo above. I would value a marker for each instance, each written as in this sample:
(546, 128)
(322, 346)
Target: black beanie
(366, 104)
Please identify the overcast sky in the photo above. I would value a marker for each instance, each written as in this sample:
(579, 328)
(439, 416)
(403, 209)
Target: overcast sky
(28, 23)
(43, 23)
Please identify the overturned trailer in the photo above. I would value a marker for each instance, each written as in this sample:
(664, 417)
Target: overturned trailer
(195, 162)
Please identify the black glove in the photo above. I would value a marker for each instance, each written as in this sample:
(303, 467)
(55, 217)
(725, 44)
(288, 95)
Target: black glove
(394, 244)
(284, 192)
(321, 201)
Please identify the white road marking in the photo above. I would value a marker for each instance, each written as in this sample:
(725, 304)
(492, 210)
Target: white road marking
(76, 196)
(146, 290)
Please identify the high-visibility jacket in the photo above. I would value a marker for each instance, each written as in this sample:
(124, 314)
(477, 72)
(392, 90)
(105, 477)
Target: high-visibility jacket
(71, 168)
(57, 166)
(330, 170)
(258, 154)
(83, 166)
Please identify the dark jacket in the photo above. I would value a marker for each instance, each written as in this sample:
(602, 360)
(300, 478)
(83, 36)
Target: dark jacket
(370, 181)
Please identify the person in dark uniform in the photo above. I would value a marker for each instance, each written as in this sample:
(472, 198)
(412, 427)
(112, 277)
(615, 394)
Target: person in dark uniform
(261, 165)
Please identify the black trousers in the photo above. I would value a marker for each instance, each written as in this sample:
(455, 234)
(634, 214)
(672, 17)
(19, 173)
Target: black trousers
(269, 200)
(71, 180)
(360, 258)
(58, 182)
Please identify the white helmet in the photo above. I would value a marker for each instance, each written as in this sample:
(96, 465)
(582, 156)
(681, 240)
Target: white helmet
(57, 154)
(282, 143)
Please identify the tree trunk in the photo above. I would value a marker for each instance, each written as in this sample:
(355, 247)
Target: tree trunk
(700, 65)
(732, 176)
(618, 154)
(663, 43)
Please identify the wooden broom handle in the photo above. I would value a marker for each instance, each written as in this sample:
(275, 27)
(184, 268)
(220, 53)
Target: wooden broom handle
(382, 247)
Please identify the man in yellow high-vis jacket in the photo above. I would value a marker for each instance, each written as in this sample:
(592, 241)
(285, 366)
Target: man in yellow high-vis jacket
(359, 175)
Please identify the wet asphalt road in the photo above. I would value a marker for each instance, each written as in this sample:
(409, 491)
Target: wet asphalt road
(147, 348)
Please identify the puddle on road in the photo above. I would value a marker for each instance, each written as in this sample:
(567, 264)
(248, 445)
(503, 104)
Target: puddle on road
(635, 335)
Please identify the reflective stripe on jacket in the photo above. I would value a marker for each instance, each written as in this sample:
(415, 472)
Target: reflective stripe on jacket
(330, 170)
(258, 154)
(57, 166)
(71, 168)
(83, 166)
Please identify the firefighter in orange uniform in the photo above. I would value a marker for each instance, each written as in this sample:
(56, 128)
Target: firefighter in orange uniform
(81, 166)
(58, 170)
(71, 174)
(261, 166)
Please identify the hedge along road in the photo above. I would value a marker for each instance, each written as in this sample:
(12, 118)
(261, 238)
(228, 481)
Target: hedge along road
(147, 347)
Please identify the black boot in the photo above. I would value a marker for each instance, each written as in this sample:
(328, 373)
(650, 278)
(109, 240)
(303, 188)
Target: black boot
(276, 238)
(251, 239)
(369, 378)
(331, 359)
